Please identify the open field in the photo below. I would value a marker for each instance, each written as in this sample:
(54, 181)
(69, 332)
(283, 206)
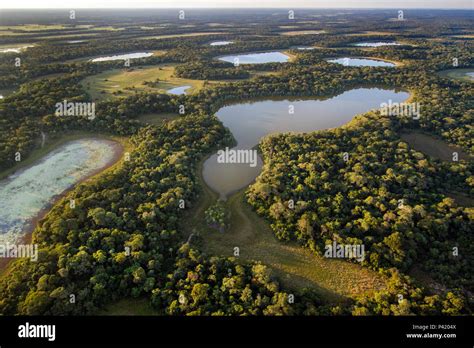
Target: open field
(369, 33)
(432, 146)
(47, 27)
(296, 267)
(183, 35)
(123, 82)
(461, 198)
(130, 307)
(458, 74)
(35, 27)
(468, 36)
(15, 45)
(302, 32)
(438, 149)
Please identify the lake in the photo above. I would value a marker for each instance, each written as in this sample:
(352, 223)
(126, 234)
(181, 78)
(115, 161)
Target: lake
(27, 192)
(123, 56)
(463, 74)
(221, 43)
(256, 58)
(252, 120)
(178, 90)
(361, 62)
(377, 44)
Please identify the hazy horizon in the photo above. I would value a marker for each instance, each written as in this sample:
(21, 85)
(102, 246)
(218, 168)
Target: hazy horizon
(229, 4)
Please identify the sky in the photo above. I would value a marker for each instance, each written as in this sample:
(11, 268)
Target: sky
(398, 4)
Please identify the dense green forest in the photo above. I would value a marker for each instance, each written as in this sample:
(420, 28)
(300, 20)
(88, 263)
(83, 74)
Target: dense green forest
(124, 239)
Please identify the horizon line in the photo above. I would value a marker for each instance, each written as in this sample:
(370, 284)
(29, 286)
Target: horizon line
(238, 8)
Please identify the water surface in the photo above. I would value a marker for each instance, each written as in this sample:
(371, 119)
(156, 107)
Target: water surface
(123, 56)
(178, 90)
(252, 120)
(221, 43)
(361, 62)
(256, 58)
(25, 193)
(463, 74)
(377, 44)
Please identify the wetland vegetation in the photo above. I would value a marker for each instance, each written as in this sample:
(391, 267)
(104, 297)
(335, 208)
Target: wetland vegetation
(148, 235)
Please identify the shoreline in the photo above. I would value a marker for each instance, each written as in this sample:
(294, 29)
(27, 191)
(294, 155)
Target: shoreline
(27, 236)
(230, 194)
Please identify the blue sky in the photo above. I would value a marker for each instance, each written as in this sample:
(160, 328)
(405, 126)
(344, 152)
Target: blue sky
(398, 4)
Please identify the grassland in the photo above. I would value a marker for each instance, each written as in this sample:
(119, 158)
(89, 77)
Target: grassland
(302, 32)
(458, 74)
(183, 35)
(15, 45)
(34, 27)
(129, 307)
(438, 149)
(369, 33)
(432, 146)
(123, 82)
(48, 27)
(467, 36)
(295, 266)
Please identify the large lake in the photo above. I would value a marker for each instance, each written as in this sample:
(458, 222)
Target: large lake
(250, 121)
(256, 58)
(24, 194)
